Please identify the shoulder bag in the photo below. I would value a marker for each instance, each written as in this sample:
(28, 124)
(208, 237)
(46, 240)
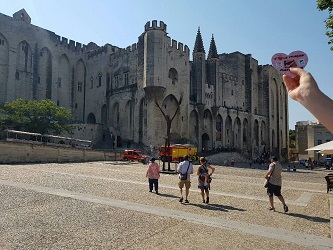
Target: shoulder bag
(267, 180)
(206, 170)
(184, 176)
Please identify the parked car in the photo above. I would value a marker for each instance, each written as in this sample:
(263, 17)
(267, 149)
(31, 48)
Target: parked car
(134, 155)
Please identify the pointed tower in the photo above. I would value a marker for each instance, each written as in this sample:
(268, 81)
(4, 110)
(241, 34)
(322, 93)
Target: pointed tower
(198, 46)
(212, 49)
(198, 76)
(212, 63)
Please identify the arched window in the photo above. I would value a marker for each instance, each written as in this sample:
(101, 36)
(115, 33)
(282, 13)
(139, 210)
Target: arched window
(104, 115)
(173, 75)
(99, 79)
(91, 119)
(219, 128)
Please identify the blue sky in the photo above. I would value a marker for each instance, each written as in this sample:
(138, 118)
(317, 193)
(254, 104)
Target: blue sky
(260, 27)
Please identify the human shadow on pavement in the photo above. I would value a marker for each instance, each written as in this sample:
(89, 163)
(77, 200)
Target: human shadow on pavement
(121, 163)
(310, 218)
(216, 207)
(168, 195)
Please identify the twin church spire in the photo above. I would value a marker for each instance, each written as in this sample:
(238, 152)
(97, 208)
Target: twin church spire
(212, 49)
(199, 47)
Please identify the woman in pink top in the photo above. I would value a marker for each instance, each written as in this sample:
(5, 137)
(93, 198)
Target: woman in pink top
(153, 174)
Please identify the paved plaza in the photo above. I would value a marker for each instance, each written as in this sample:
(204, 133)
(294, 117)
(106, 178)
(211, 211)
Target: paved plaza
(106, 205)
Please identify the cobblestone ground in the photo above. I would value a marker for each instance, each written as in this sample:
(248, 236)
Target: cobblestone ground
(106, 205)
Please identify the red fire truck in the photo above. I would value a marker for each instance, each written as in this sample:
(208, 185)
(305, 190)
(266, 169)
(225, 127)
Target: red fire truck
(177, 152)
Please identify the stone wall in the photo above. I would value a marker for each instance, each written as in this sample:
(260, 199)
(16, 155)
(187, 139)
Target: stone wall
(20, 152)
(117, 88)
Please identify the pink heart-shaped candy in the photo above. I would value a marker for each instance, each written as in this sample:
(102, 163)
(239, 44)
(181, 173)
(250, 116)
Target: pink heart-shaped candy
(283, 62)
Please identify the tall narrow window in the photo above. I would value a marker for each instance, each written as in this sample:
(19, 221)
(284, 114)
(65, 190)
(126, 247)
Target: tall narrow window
(116, 82)
(108, 81)
(91, 82)
(173, 75)
(126, 79)
(79, 86)
(99, 80)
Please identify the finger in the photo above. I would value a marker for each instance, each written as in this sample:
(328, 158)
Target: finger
(288, 82)
(298, 71)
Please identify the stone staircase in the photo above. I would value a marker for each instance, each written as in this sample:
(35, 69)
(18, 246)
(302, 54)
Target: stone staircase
(225, 158)
(104, 143)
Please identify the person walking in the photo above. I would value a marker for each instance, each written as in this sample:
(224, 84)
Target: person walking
(185, 169)
(204, 178)
(274, 178)
(153, 174)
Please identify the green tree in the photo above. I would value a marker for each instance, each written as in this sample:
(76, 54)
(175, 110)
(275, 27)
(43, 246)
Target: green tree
(33, 116)
(327, 5)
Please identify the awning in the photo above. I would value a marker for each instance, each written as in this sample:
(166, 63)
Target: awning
(326, 151)
(321, 147)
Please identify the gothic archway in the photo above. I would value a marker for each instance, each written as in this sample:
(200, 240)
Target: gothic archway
(64, 88)
(91, 119)
(206, 142)
(142, 119)
(194, 127)
(104, 115)
(237, 133)
(219, 129)
(43, 87)
(228, 132)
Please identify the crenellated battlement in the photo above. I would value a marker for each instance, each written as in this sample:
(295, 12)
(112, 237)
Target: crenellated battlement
(174, 45)
(106, 49)
(153, 26)
(91, 49)
(119, 52)
(71, 45)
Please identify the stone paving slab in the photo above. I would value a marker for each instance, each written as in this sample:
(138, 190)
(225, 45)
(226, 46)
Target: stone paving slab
(105, 205)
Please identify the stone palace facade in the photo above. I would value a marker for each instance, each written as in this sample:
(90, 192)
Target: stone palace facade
(228, 101)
